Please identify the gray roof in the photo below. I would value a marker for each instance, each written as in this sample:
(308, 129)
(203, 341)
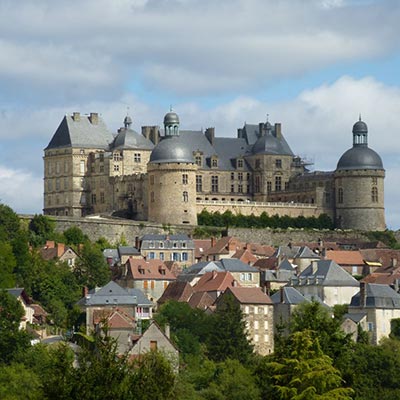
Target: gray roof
(356, 317)
(235, 265)
(199, 269)
(82, 133)
(360, 157)
(285, 265)
(377, 296)
(172, 149)
(290, 296)
(326, 273)
(113, 294)
(129, 139)
(16, 292)
(269, 144)
(228, 150)
(168, 242)
(128, 250)
(111, 253)
(295, 252)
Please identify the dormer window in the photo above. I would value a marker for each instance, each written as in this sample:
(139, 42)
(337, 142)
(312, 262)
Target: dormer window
(214, 162)
(198, 159)
(239, 163)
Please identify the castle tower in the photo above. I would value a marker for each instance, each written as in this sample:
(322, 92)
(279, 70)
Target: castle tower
(172, 178)
(359, 185)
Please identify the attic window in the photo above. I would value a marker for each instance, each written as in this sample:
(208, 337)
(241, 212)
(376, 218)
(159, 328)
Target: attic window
(240, 163)
(214, 162)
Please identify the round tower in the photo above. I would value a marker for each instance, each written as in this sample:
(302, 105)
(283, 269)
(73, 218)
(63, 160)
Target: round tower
(359, 185)
(172, 178)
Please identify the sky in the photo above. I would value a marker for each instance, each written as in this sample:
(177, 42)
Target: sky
(313, 65)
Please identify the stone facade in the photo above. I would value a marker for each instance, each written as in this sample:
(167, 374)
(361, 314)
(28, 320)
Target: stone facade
(169, 176)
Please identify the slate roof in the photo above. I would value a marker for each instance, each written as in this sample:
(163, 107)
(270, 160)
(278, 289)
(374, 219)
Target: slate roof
(128, 250)
(82, 133)
(295, 252)
(235, 265)
(327, 273)
(250, 295)
(269, 144)
(167, 241)
(113, 294)
(377, 296)
(290, 295)
(130, 140)
(355, 317)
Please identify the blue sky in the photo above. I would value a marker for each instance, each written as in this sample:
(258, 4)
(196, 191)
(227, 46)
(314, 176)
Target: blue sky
(312, 65)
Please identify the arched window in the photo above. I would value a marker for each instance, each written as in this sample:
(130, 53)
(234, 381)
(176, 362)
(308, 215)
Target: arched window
(374, 194)
(340, 195)
(185, 197)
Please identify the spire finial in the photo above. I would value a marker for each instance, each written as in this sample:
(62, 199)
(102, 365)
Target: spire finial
(170, 108)
(128, 119)
(359, 117)
(267, 117)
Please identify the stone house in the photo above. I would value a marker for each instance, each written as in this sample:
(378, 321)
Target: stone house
(150, 276)
(154, 339)
(59, 252)
(327, 281)
(22, 297)
(258, 313)
(350, 260)
(381, 304)
(351, 322)
(214, 283)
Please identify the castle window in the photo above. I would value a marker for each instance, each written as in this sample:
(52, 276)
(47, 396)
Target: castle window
(185, 197)
(65, 166)
(185, 179)
(116, 167)
(101, 157)
(232, 188)
(374, 194)
(151, 179)
(82, 167)
(257, 184)
(248, 176)
(57, 184)
(101, 168)
(199, 183)
(137, 157)
(269, 187)
(240, 188)
(94, 200)
(152, 197)
(340, 195)
(248, 189)
(286, 185)
(82, 151)
(278, 163)
(214, 183)
(258, 163)
(65, 183)
(199, 160)
(232, 176)
(240, 176)
(239, 163)
(214, 162)
(102, 198)
(117, 156)
(374, 180)
(49, 185)
(278, 184)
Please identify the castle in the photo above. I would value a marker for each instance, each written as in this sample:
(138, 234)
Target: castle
(169, 176)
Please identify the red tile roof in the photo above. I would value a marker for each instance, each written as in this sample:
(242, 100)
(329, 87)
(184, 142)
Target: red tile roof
(149, 269)
(245, 256)
(178, 290)
(201, 247)
(214, 281)
(201, 300)
(250, 295)
(345, 257)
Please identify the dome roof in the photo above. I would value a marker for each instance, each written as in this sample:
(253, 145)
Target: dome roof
(129, 139)
(172, 149)
(269, 144)
(360, 157)
(360, 127)
(171, 118)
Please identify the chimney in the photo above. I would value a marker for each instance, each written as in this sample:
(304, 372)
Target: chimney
(85, 291)
(314, 267)
(261, 129)
(137, 242)
(214, 274)
(363, 294)
(240, 133)
(60, 249)
(213, 241)
(76, 116)
(50, 244)
(278, 131)
(282, 293)
(167, 330)
(146, 131)
(394, 261)
(94, 118)
(210, 134)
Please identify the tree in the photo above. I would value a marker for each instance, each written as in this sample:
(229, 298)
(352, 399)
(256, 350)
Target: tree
(9, 223)
(12, 340)
(7, 266)
(307, 373)
(227, 338)
(74, 236)
(42, 229)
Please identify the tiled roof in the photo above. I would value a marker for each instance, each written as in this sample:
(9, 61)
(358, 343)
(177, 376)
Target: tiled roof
(355, 317)
(267, 263)
(201, 300)
(388, 278)
(128, 250)
(245, 256)
(388, 257)
(149, 269)
(345, 257)
(214, 281)
(220, 246)
(201, 247)
(250, 295)
(234, 265)
(178, 290)
(377, 296)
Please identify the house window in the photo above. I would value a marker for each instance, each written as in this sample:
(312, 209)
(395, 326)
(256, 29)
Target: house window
(152, 284)
(161, 245)
(185, 179)
(214, 183)
(101, 157)
(266, 325)
(278, 183)
(145, 284)
(151, 255)
(199, 183)
(370, 326)
(137, 157)
(117, 156)
(101, 168)
(246, 309)
(162, 256)
(374, 194)
(185, 197)
(256, 338)
(184, 256)
(255, 324)
(153, 345)
(239, 163)
(340, 195)
(278, 163)
(176, 257)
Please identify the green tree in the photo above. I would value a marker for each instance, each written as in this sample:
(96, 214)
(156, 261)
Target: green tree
(7, 266)
(74, 236)
(227, 337)
(12, 340)
(9, 223)
(307, 373)
(42, 229)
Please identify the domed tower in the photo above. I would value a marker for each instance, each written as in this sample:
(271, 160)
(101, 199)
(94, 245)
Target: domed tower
(172, 178)
(359, 185)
